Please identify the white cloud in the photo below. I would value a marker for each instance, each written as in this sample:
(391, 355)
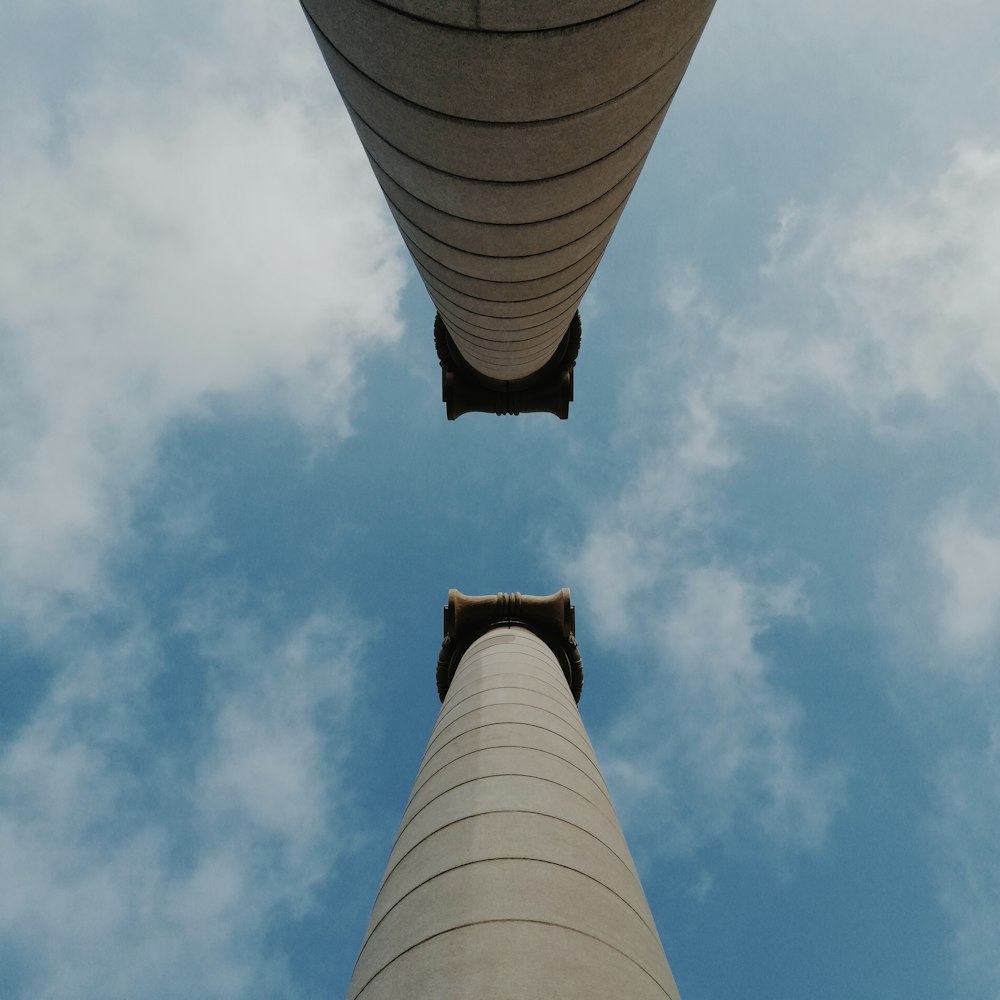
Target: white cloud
(193, 225)
(907, 283)
(899, 295)
(709, 743)
(263, 764)
(143, 865)
(166, 242)
(870, 303)
(610, 564)
(965, 553)
(965, 824)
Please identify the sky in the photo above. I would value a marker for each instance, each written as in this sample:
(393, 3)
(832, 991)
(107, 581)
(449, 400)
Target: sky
(231, 507)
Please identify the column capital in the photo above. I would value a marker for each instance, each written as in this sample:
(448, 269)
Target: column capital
(551, 618)
(548, 390)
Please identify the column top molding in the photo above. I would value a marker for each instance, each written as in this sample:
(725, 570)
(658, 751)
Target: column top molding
(551, 618)
(548, 390)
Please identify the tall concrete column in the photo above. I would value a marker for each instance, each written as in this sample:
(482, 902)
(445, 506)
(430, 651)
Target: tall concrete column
(507, 138)
(510, 878)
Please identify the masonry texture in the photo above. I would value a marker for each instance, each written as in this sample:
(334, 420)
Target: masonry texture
(510, 878)
(507, 137)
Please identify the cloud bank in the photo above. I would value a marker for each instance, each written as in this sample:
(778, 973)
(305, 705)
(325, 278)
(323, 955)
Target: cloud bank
(149, 851)
(209, 231)
(189, 224)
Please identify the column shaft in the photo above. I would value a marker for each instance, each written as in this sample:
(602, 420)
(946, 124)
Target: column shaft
(510, 878)
(507, 137)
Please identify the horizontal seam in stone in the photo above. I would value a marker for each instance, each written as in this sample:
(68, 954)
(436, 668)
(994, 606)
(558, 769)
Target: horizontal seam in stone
(503, 774)
(440, 296)
(499, 687)
(497, 123)
(511, 676)
(502, 812)
(565, 695)
(584, 739)
(520, 281)
(480, 861)
(505, 355)
(545, 923)
(581, 750)
(555, 326)
(517, 746)
(559, 312)
(584, 277)
(453, 688)
(534, 725)
(490, 281)
(520, 704)
(547, 179)
(414, 247)
(444, 26)
(546, 326)
(520, 256)
(506, 746)
(505, 225)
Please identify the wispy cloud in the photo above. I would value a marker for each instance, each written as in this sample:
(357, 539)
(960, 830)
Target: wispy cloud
(149, 843)
(882, 311)
(710, 743)
(902, 333)
(188, 220)
(964, 826)
(211, 229)
(964, 554)
(904, 286)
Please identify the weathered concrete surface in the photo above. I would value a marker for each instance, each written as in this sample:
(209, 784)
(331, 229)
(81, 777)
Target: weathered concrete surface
(510, 878)
(507, 137)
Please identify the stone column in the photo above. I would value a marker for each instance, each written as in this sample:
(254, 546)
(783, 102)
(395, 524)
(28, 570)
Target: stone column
(507, 138)
(509, 878)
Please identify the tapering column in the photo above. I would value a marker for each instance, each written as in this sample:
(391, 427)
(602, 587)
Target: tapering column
(510, 878)
(507, 138)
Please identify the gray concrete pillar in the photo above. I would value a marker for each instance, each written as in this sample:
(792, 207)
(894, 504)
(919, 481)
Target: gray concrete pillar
(507, 138)
(510, 878)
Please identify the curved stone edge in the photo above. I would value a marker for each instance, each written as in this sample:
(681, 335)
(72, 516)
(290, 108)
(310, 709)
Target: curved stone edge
(548, 390)
(551, 618)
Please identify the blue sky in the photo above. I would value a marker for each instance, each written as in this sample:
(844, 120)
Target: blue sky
(231, 507)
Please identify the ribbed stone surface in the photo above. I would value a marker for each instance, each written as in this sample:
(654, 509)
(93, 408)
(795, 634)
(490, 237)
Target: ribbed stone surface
(509, 878)
(507, 137)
